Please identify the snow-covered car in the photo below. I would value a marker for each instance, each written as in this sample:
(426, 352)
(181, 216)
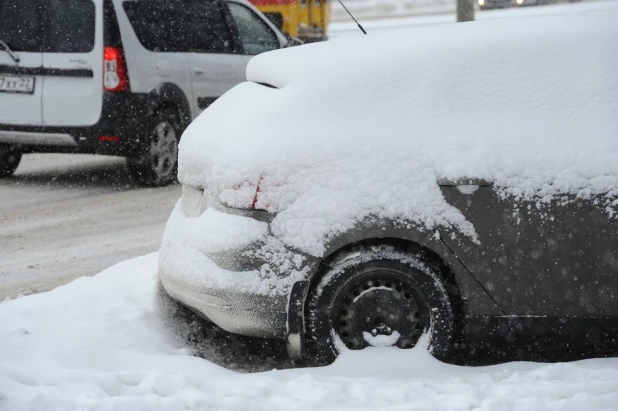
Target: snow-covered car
(462, 182)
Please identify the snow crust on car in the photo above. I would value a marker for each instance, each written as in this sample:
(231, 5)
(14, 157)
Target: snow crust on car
(187, 243)
(366, 127)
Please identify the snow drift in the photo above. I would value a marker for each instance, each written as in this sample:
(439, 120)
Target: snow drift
(98, 344)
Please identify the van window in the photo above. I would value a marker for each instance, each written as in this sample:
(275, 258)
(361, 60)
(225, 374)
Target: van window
(53, 26)
(71, 26)
(179, 26)
(255, 35)
(21, 24)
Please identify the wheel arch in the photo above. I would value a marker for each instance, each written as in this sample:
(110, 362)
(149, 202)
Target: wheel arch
(424, 253)
(170, 95)
(166, 100)
(425, 244)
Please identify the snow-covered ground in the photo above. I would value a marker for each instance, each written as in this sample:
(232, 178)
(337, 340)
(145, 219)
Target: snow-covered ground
(105, 343)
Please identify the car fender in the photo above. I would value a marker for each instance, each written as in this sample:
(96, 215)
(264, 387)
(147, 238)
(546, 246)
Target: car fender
(477, 301)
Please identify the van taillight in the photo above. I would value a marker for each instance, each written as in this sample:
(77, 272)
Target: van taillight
(115, 76)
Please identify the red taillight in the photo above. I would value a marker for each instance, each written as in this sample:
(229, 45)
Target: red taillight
(257, 191)
(115, 76)
(111, 139)
(261, 193)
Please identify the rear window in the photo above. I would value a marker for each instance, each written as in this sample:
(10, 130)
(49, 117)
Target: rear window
(180, 25)
(53, 26)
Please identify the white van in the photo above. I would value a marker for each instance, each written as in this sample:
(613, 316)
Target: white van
(119, 77)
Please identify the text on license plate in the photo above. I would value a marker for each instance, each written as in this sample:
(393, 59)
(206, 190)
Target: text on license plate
(16, 84)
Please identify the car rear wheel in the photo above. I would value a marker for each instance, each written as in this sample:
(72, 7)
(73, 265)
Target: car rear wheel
(158, 164)
(9, 160)
(379, 298)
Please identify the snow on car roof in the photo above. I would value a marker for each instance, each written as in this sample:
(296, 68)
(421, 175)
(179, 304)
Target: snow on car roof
(366, 126)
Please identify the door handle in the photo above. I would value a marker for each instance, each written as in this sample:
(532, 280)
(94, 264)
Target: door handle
(465, 182)
(163, 68)
(198, 71)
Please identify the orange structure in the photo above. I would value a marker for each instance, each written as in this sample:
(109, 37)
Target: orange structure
(306, 19)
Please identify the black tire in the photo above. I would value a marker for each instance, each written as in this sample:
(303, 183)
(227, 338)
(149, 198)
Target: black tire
(379, 292)
(9, 160)
(158, 164)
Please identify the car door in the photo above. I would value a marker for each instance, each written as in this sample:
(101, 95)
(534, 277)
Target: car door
(214, 62)
(21, 29)
(255, 33)
(73, 63)
(550, 257)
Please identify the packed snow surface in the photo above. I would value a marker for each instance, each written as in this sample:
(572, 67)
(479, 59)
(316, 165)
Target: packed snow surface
(367, 126)
(100, 344)
(381, 340)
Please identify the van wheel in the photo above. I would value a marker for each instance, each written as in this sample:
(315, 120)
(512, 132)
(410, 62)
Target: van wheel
(380, 298)
(158, 164)
(9, 160)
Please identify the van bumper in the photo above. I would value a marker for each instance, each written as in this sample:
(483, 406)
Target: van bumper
(124, 115)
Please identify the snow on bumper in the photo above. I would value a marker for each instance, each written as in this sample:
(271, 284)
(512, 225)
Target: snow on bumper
(230, 269)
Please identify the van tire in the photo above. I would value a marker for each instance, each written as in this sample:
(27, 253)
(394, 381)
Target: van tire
(157, 165)
(9, 160)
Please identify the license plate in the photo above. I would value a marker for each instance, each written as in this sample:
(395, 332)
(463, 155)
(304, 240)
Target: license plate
(16, 84)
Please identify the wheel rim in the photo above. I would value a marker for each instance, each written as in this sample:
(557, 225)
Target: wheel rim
(164, 149)
(379, 308)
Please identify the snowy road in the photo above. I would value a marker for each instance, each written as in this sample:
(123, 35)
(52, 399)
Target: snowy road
(63, 217)
(66, 216)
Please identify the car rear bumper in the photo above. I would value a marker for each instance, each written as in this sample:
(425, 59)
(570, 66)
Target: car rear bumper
(124, 115)
(237, 312)
(222, 266)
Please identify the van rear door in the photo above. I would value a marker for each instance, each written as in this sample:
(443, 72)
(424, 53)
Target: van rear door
(73, 63)
(21, 82)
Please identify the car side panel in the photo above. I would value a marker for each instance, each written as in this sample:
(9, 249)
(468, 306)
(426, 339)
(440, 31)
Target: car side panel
(556, 258)
(212, 75)
(147, 69)
(477, 300)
